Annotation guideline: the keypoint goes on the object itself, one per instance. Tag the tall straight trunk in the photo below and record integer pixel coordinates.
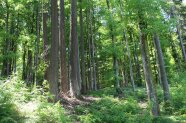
(92, 47)
(5, 67)
(53, 70)
(75, 89)
(90, 62)
(124, 67)
(45, 45)
(130, 62)
(29, 78)
(148, 74)
(24, 62)
(94, 67)
(161, 66)
(137, 62)
(181, 43)
(89, 51)
(82, 50)
(64, 78)
(37, 43)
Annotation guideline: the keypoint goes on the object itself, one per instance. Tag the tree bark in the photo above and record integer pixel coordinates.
(45, 45)
(75, 89)
(37, 44)
(83, 89)
(130, 62)
(161, 66)
(148, 74)
(64, 78)
(53, 69)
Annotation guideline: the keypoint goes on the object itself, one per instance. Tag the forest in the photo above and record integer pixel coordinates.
(93, 61)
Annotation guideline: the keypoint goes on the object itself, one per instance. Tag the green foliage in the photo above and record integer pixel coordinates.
(110, 110)
(51, 113)
(179, 94)
(8, 110)
(20, 104)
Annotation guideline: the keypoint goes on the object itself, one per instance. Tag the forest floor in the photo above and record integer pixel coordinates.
(102, 106)
(94, 107)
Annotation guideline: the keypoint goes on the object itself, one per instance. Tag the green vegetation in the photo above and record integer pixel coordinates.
(20, 104)
(93, 61)
(133, 107)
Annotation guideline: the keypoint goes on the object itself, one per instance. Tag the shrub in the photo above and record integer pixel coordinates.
(110, 110)
(8, 110)
(50, 113)
(178, 94)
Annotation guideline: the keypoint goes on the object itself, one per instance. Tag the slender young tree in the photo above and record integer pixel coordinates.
(161, 66)
(45, 45)
(115, 61)
(130, 62)
(37, 43)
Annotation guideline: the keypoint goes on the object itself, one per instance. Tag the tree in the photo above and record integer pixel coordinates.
(147, 68)
(64, 79)
(53, 68)
(74, 63)
(161, 66)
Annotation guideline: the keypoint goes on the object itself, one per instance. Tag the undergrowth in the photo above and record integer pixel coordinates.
(19, 104)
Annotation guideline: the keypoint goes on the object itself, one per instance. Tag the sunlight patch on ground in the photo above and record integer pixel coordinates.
(28, 110)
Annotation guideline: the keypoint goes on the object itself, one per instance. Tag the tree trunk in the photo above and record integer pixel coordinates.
(45, 45)
(82, 51)
(148, 74)
(53, 69)
(161, 66)
(37, 43)
(130, 62)
(64, 78)
(181, 43)
(136, 60)
(75, 89)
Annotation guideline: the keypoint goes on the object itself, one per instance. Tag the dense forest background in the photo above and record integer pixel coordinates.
(92, 61)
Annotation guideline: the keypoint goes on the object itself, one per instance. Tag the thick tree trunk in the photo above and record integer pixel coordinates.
(64, 78)
(161, 66)
(53, 69)
(148, 74)
(75, 89)
(83, 88)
